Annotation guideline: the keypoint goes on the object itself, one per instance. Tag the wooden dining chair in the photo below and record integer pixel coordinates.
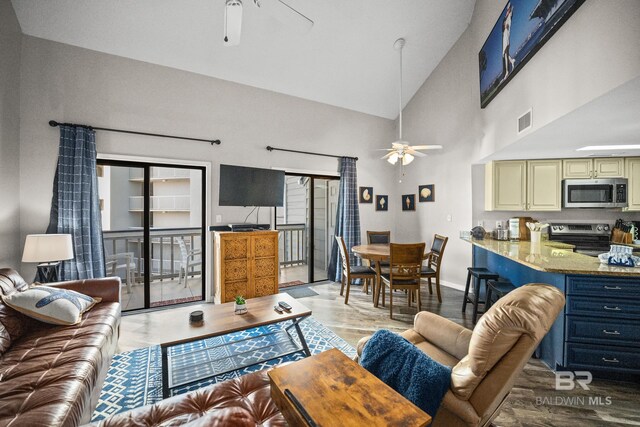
(374, 237)
(379, 237)
(404, 272)
(434, 261)
(351, 272)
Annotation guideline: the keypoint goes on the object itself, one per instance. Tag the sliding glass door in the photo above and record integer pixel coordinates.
(153, 221)
(306, 224)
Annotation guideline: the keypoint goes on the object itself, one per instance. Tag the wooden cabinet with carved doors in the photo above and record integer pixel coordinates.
(246, 263)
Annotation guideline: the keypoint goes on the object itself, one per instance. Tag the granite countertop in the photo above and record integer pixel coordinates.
(546, 256)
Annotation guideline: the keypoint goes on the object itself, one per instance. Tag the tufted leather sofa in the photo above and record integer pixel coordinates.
(52, 375)
(243, 401)
(485, 362)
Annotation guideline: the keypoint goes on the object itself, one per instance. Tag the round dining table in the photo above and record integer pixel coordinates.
(377, 253)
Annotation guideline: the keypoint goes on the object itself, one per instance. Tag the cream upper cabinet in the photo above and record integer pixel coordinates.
(632, 169)
(544, 179)
(577, 168)
(505, 185)
(593, 168)
(608, 167)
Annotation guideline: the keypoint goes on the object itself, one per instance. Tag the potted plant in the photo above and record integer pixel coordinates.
(240, 305)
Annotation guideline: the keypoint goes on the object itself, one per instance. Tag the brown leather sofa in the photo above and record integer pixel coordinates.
(52, 375)
(485, 362)
(243, 401)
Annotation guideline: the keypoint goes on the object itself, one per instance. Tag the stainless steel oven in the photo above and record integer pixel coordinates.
(594, 193)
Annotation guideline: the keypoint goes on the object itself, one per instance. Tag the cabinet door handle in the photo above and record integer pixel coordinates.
(606, 307)
(612, 288)
(610, 332)
(614, 360)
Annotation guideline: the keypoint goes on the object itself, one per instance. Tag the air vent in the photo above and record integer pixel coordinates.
(524, 122)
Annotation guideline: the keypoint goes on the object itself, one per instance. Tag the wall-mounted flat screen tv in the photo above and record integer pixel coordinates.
(243, 186)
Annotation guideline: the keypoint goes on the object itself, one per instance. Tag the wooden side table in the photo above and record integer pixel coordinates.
(330, 389)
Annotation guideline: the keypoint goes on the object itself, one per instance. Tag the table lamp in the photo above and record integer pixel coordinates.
(48, 250)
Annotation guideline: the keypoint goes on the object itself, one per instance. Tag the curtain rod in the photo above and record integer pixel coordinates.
(53, 123)
(270, 148)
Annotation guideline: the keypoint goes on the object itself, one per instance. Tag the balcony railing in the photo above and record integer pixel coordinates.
(166, 260)
(293, 244)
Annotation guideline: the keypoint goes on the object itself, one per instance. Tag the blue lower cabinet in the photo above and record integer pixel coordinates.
(603, 286)
(602, 357)
(596, 330)
(603, 307)
(602, 324)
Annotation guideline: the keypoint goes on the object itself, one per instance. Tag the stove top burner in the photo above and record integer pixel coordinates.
(589, 239)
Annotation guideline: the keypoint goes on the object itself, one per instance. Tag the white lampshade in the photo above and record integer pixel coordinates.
(47, 248)
(407, 158)
(393, 159)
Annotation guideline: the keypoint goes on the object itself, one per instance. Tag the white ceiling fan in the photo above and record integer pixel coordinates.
(277, 8)
(400, 149)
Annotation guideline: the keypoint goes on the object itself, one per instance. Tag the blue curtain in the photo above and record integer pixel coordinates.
(347, 218)
(75, 207)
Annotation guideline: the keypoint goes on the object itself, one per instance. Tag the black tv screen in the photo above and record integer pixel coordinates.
(242, 186)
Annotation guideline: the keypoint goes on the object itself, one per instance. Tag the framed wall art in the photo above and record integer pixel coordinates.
(382, 202)
(523, 27)
(409, 202)
(426, 193)
(365, 194)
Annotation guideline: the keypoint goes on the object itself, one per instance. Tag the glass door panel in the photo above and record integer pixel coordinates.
(325, 204)
(153, 222)
(307, 225)
(121, 193)
(293, 224)
(176, 220)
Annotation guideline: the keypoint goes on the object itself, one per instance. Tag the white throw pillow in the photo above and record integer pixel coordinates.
(51, 305)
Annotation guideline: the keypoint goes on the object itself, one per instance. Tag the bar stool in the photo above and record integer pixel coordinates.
(500, 287)
(479, 274)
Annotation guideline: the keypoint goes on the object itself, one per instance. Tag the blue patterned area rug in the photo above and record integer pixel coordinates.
(135, 377)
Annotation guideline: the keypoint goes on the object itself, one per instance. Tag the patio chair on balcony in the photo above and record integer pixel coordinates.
(187, 261)
(122, 261)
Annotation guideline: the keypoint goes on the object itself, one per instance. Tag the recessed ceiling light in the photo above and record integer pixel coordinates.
(610, 147)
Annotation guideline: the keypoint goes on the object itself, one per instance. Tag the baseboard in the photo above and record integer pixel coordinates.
(452, 285)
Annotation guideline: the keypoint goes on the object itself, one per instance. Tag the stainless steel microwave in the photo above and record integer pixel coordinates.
(594, 193)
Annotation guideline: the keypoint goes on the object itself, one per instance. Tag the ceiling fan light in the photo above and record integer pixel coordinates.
(406, 159)
(393, 159)
(232, 22)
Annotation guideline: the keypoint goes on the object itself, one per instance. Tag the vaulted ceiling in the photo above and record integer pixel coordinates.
(346, 60)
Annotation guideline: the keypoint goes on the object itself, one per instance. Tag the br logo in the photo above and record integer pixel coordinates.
(567, 380)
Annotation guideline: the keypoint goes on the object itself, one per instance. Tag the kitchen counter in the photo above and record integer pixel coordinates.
(600, 299)
(547, 257)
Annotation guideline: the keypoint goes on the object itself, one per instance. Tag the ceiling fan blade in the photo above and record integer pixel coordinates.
(415, 153)
(386, 156)
(426, 147)
(286, 14)
(398, 144)
(384, 149)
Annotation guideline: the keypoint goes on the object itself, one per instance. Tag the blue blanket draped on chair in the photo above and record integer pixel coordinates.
(406, 369)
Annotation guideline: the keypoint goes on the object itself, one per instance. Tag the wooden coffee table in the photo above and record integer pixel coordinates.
(183, 366)
(334, 390)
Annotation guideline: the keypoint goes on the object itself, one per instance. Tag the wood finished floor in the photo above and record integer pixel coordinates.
(360, 318)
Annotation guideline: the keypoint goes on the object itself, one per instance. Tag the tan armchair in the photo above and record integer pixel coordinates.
(485, 362)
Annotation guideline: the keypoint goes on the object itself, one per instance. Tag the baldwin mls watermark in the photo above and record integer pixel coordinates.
(568, 381)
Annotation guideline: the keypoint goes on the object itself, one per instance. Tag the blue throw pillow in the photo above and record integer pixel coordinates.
(407, 369)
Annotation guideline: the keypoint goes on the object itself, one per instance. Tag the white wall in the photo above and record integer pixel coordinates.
(595, 51)
(10, 41)
(72, 84)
